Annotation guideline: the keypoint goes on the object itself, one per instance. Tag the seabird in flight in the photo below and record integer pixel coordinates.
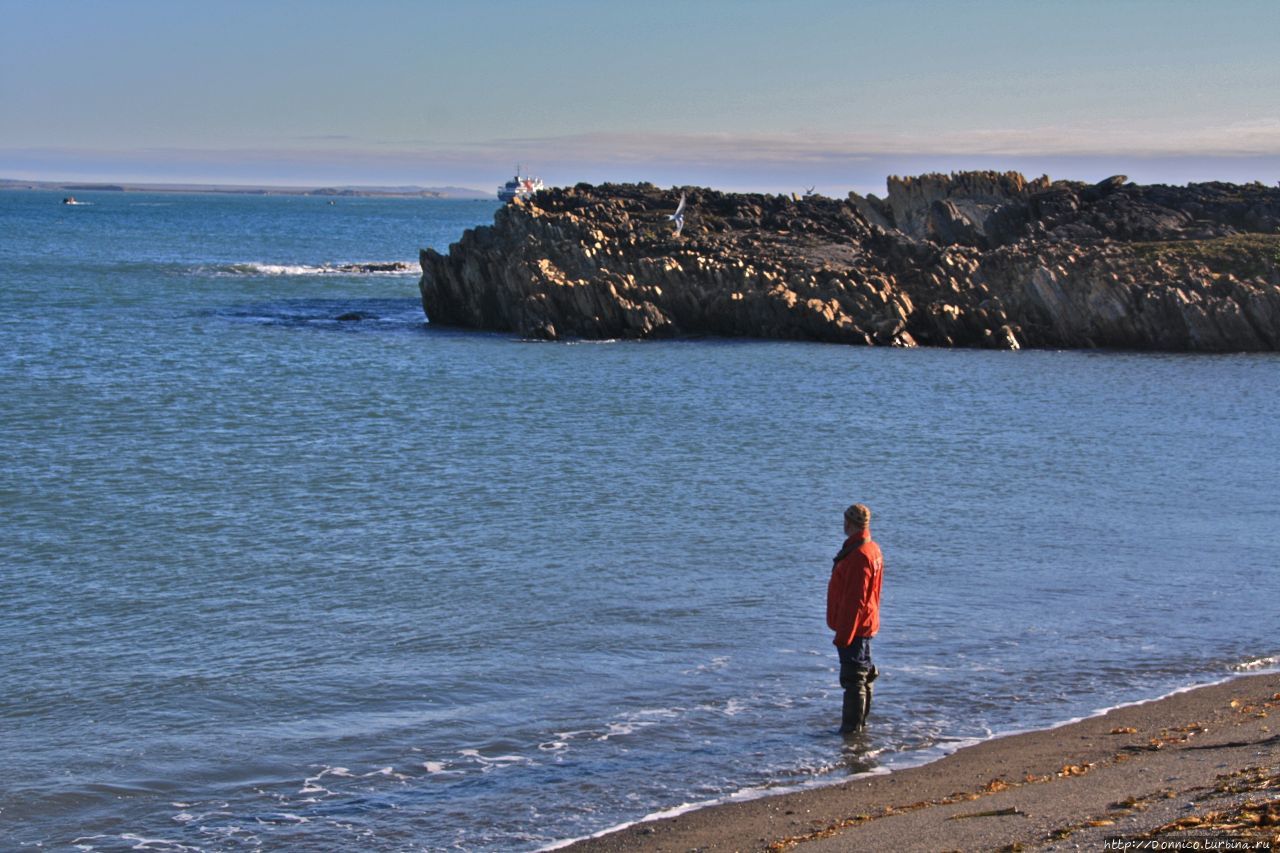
(678, 216)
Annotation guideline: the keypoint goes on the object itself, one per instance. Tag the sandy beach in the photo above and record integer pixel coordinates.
(1203, 763)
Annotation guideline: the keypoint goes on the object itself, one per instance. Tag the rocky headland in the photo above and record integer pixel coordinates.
(974, 259)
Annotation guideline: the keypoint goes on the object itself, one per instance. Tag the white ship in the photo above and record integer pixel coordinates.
(521, 186)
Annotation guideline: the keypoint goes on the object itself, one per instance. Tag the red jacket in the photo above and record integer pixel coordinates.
(853, 595)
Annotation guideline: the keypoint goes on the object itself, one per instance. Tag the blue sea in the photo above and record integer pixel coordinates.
(271, 579)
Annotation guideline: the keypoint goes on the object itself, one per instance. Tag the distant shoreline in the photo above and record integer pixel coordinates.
(250, 189)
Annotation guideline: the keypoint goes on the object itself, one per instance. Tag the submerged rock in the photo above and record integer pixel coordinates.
(374, 266)
(978, 259)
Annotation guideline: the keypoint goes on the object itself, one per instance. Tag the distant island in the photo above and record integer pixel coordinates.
(971, 259)
(245, 189)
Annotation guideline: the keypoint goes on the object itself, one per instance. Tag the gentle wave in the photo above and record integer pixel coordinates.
(911, 759)
(354, 268)
(1257, 664)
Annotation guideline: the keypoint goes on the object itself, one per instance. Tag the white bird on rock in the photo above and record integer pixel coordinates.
(678, 216)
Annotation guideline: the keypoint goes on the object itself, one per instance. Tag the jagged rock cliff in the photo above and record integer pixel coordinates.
(972, 259)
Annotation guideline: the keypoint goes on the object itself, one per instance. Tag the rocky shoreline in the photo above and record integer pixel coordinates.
(974, 259)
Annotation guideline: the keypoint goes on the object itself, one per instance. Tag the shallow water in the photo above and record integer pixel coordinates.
(269, 577)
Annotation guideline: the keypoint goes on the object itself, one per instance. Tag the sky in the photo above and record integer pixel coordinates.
(746, 95)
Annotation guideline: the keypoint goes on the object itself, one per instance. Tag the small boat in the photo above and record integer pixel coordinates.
(521, 186)
(72, 200)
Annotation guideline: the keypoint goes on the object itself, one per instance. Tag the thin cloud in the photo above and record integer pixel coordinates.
(773, 162)
(1249, 138)
(1245, 138)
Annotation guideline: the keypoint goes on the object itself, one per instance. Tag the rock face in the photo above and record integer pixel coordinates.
(977, 259)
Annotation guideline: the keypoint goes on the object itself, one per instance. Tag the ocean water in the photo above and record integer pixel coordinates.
(271, 579)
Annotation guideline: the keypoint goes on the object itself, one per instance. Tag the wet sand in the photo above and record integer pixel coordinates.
(1204, 762)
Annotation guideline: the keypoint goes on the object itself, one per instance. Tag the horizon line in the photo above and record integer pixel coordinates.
(110, 185)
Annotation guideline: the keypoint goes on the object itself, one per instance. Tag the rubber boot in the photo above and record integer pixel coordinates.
(854, 710)
(867, 691)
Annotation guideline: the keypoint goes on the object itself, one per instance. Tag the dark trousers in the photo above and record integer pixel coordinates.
(855, 662)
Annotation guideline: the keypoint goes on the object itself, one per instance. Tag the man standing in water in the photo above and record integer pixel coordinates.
(853, 612)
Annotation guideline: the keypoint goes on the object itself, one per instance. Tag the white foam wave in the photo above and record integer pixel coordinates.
(1257, 664)
(676, 811)
(311, 784)
(337, 771)
(135, 842)
(186, 816)
(385, 771)
(140, 843)
(257, 268)
(625, 728)
(658, 712)
(282, 817)
(754, 792)
(494, 761)
(577, 733)
(716, 663)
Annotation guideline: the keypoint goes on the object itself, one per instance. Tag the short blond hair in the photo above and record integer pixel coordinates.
(859, 515)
